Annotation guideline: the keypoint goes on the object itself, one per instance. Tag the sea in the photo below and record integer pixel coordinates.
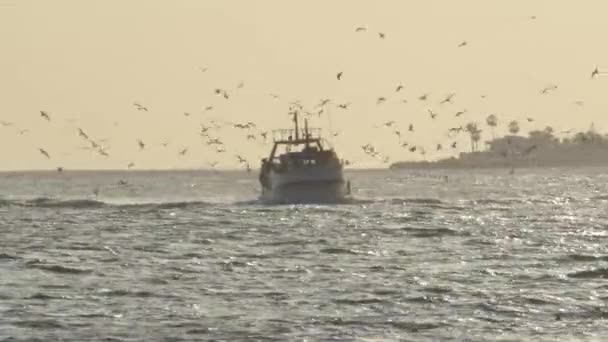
(458, 255)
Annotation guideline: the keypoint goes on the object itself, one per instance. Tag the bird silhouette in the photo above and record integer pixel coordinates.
(339, 75)
(454, 144)
(411, 128)
(380, 100)
(45, 115)
(44, 153)
(595, 72)
(183, 152)
(423, 97)
(462, 44)
(381, 35)
(140, 107)
(141, 144)
(399, 87)
(432, 113)
(448, 98)
(83, 134)
(360, 29)
(6, 124)
(460, 113)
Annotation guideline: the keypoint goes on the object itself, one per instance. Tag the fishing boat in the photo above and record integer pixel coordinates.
(300, 169)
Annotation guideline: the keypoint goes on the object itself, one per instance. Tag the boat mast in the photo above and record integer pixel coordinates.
(306, 135)
(295, 119)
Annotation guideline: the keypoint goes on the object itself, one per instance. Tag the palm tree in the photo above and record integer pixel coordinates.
(492, 121)
(513, 127)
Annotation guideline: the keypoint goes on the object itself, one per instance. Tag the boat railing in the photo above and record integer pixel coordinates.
(290, 134)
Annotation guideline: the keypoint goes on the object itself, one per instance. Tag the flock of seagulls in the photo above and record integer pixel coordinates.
(210, 130)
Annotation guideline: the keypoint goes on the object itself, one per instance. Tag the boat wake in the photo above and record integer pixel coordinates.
(57, 203)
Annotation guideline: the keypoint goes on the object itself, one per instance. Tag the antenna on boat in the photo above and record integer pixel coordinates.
(306, 135)
(295, 119)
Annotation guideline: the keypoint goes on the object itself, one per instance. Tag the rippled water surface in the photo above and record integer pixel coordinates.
(180, 256)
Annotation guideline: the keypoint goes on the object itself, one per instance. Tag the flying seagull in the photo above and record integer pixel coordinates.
(399, 87)
(464, 43)
(381, 35)
(44, 153)
(82, 134)
(339, 75)
(595, 72)
(360, 29)
(45, 115)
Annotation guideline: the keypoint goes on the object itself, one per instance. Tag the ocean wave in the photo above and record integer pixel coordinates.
(58, 268)
(431, 232)
(594, 273)
(58, 203)
(586, 257)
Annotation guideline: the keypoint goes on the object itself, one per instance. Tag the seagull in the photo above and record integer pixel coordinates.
(141, 144)
(23, 131)
(360, 29)
(323, 102)
(454, 144)
(83, 134)
(45, 115)
(381, 35)
(344, 105)
(250, 137)
(214, 141)
(339, 75)
(380, 100)
(213, 164)
(186, 114)
(595, 72)
(411, 128)
(530, 119)
(399, 87)
(131, 165)
(423, 97)
(431, 113)
(4, 123)
(140, 107)
(240, 85)
(44, 153)
(548, 88)
(448, 98)
(274, 96)
(439, 147)
(389, 123)
(241, 159)
(464, 43)
(460, 113)
(202, 69)
(264, 135)
(208, 108)
(183, 152)
(413, 149)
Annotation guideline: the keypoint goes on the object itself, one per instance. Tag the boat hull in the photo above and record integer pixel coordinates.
(307, 192)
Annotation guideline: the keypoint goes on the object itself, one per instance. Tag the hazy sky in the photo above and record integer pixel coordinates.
(86, 62)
